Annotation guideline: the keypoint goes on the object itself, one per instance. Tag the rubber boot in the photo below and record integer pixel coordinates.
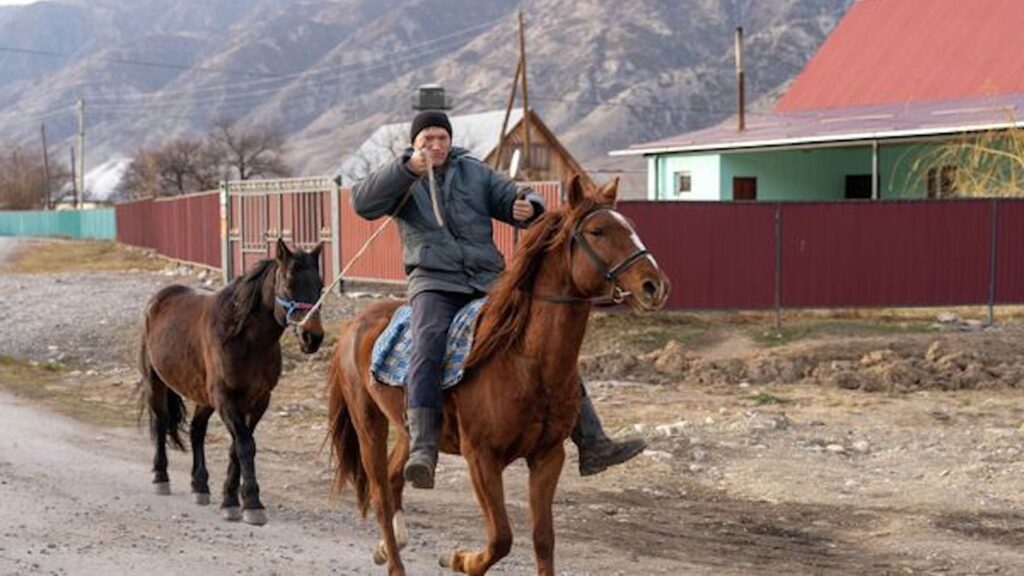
(424, 426)
(597, 451)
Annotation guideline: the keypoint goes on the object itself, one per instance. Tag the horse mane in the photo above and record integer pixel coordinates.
(241, 299)
(504, 316)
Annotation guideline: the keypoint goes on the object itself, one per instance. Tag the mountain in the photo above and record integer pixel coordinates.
(602, 74)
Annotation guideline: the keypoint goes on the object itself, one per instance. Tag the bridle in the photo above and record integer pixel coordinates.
(290, 308)
(617, 295)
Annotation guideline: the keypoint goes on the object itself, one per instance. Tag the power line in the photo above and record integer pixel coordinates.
(133, 62)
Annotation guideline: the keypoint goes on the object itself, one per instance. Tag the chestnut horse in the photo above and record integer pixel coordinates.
(520, 394)
(223, 352)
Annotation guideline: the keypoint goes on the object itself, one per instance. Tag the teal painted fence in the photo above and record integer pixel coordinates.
(100, 224)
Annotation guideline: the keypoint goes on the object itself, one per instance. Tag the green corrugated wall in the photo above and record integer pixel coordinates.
(100, 224)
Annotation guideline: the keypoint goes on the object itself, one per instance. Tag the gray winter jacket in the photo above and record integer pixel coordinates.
(461, 256)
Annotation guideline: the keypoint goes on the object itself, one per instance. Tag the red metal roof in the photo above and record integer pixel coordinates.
(909, 51)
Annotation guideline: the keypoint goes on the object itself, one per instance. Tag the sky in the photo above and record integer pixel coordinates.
(13, 2)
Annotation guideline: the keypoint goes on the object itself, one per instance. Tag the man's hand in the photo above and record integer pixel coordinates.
(522, 209)
(417, 164)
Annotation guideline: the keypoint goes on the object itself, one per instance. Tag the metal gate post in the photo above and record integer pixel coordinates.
(778, 267)
(992, 264)
(225, 233)
(336, 232)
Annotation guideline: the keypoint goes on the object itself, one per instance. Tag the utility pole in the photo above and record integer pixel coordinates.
(741, 105)
(508, 112)
(46, 170)
(74, 178)
(526, 98)
(80, 189)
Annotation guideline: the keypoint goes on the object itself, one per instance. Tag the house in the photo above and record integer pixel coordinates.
(478, 133)
(905, 99)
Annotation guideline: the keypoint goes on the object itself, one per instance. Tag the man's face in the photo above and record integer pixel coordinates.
(436, 142)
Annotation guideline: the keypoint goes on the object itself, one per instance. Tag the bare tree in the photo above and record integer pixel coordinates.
(180, 166)
(23, 183)
(250, 151)
(187, 165)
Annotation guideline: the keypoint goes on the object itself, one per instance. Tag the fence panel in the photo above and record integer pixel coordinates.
(885, 254)
(97, 223)
(717, 255)
(185, 228)
(1010, 252)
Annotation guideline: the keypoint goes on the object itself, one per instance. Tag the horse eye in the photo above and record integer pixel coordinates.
(596, 231)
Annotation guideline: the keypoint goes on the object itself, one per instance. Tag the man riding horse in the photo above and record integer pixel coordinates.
(450, 259)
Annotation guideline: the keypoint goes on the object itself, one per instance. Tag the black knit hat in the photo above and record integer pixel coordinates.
(427, 119)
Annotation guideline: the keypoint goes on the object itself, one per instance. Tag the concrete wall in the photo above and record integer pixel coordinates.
(704, 169)
(797, 174)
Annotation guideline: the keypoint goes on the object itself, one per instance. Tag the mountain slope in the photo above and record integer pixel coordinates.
(603, 74)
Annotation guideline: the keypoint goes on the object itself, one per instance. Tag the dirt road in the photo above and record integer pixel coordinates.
(73, 501)
(842, 446)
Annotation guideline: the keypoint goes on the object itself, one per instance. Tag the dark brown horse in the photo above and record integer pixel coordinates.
(520, 395)
(222, 352)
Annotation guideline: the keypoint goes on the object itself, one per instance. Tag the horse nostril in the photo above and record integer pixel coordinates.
(650, 289)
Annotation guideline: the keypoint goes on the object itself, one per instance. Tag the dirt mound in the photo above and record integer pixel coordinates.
(954, 361)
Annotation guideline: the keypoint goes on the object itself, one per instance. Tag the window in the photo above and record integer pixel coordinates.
(942, 182)
(683, 183)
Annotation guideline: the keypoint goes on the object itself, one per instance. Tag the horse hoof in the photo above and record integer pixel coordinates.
(162, 488)
(232, 513)
(255, 517)
(448, 561)
(201, 498)
(380, 554)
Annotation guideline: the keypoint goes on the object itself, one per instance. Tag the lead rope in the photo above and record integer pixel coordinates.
(369, 241)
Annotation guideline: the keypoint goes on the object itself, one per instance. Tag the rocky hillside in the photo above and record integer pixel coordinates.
(603, 74)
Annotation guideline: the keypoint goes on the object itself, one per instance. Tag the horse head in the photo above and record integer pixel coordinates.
(606, 255)
(297, 287)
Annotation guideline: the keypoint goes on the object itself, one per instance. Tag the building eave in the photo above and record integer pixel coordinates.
(818, 141)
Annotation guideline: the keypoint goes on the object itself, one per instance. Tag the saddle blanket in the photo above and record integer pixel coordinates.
(393, 348)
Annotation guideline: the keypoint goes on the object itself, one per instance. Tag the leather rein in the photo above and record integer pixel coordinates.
(617, 295)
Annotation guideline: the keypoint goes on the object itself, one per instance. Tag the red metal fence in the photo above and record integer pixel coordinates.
(185, 228)
(718, 255)
(849, 254)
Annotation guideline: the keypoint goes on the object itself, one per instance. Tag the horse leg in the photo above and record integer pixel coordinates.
(158, 426)
(231, 506)
(372, 428)
(486, 473)
(544, 472)
(396, 481)
(197, 433)
(243, 447)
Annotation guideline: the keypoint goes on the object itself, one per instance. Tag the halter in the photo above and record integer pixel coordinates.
(618, 295)
(290, 308)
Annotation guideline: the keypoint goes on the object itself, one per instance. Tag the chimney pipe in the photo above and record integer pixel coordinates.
(740, 95)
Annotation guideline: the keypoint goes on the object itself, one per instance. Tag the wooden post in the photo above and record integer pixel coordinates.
(508, 112)
(740, 96)
(526, 99)
(46, 170)
(80, 190)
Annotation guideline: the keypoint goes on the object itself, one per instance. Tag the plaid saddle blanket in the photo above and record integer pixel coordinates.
(391, 352)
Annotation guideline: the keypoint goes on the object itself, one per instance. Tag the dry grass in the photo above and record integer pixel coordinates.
(57, 387)
(51, 255)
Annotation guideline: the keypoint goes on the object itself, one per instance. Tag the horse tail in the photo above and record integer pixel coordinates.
(163, 405)
(342, 434)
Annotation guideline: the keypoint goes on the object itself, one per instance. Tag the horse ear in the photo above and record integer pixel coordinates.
(283, 253)
(575, 192)
(609, 193)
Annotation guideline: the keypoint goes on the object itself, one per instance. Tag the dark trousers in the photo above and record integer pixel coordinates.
(432, 315)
